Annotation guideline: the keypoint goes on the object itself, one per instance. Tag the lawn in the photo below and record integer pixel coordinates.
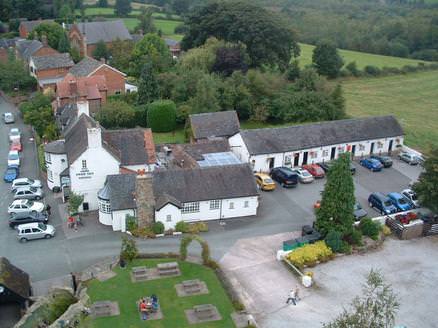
(411, 98)
(121, 289)
(166, 26)
(96, 11)
(362, 59)
(176, 136)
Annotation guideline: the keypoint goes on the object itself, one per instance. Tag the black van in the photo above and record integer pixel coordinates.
(284, 176)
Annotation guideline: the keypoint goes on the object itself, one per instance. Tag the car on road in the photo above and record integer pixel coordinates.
(25, 205)
(372, 164)
(412, 196)
(381, 203)
(303, 175)
(29, 193)
(326, 167)
(264, 181)
(11, 173)
(36, 230)
(359, 212)
(400, 201)
(16, 145)
(25, 182)
(13, 158)
(385, 160)
(284, 176)
(21, 218)
(8, 118)
(409, 158)
(14, 134)
(315, 170)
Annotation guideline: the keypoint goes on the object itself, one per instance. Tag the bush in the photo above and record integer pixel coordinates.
(158, 228)
(238, 306)
(354, 237)
(161, 116)
(141, 114)
(129, 249)
(131, 223)
(372, 70)
(310, 254)
(197, 227)
(116, 114)
(212, 264)
(369, 228)
(386, 230)
(182, 226)
(334, 240)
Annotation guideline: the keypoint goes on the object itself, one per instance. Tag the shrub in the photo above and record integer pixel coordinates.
(369, 228)
(334, 240)
(197, 227)
(212, 264)
(386, 230)
(161, 116)
(372, 70)
(131, 223)
(116, 114)
(345, 248)
(310, 254)
(129, 249)
(238, 306)
(354, 237)
(158, 228)
(182, 226)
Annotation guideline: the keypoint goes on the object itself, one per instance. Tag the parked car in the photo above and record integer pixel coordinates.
(315, 170)
(11, 173)
(8, 117)
(310, 234)
(385, 160)
(25, 205)
(372, 164)
(14, 134)
(412, 196)
(36, 230)
(21, 218)
(303, 175)
(400, 201)
(359, 212)
(326, 167)
(13, 158)
(16, 145)
(24, 182)
(284, 176)
(264, 181)
(409, 158)
(381, 203)
(29, 193)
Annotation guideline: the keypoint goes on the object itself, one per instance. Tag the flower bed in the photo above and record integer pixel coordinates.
(310, 255)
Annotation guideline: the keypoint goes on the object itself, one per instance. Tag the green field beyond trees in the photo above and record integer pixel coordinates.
(411, 98)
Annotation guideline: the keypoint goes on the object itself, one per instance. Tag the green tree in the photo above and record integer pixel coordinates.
(101, 51)
(53, 31)
(375, 307)
(120, 58)
(66, 14)
(102, 3)
(151, 48)
(309, 80)
(206, 98)
(14, 74)
(122, 8)
(75, 54)
(327, 60)
(148, 89)
(427, 185)
(64, 44)
(293, 71)
(116, 114)
(129, 250)
(338, 101)
(74, 201)
(337, 204)
(146, 21)
(162, 116)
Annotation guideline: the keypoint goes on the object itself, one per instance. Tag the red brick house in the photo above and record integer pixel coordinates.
(85, 36)
(28, 26)
(87, 67)
(174, 47)
(50, 69)
(24, 49)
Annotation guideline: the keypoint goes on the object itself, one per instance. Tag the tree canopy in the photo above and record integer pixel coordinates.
(427, 185)
(53, 31)
(101, 51)
(327, 60)
(116, 114)
(122, 7)
(151, 48)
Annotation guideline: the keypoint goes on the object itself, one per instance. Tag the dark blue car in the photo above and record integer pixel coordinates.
(12, 173)
(371, 164)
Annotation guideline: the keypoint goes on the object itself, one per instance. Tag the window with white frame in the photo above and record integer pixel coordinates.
(84, 164)
(48, 158)
(168, 218)
(104, 206)
(361, 147)
(379, 145)
(325, 153)
(231, 206)
(287, 160)
(313, 154)
(50, 175)
(246, 204)
(191, 207)
(215, 204)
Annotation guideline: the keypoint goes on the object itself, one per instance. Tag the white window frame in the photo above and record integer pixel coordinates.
(215, 204)
(246, 204)
(105, 207)
(168, 218)
(325, 153)
(361, 147)
(48, 158)
(231, 206)
(84, 164)
(49, 175)
(190, 207)
(313, 154)
(287, 159)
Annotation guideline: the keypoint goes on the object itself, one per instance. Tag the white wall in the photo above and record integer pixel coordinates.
(119, 219)
(173, 211)
(55, 163)
(32, 68)
(238, 147)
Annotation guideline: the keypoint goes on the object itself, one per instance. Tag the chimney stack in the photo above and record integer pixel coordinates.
(103, 60)
(73, 87)
(44, 40)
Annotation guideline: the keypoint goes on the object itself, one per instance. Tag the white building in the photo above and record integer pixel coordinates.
(304, 144)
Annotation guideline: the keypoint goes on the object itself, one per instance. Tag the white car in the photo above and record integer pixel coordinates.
(14, 134)
(303, 175)
(411, 196)
(25, 205)
(13, 158)
(8, 118)
(24, 182)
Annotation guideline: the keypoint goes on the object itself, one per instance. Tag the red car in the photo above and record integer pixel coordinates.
(315, 170)
(16, 145)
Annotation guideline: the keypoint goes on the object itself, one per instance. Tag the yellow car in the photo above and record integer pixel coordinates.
(264, 181)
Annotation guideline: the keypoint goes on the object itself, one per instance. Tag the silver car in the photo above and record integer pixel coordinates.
(14, 134)
(303, 175)
(25, 205)
(36, 230)
(25, 182)
(29, 193)
(409, 158)
(8, 118)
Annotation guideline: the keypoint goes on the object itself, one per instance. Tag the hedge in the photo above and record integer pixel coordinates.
(161, 116)
(310, 254)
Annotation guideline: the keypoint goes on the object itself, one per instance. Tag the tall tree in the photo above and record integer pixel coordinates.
(119, 51)
(63, 44)
(327, 60)
(102, 3)
(427, 185)
(337, 204)
(338, 101)
(101, 51)
(206, 97)
(151, 48)
(148, 89)
(53, 31)
(122, 8)
(146, 21)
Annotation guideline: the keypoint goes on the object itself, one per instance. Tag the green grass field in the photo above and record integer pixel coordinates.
(126, 293)
(176, 136)
(166, 26)
(362, 59)
(411, 98)
(96, 11)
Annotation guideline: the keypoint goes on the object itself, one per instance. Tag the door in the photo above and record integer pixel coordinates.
(390, 146)
(333, 153)
(296, 159)
(271, 163)
(305, 155)
(353, 150)
(372, 148)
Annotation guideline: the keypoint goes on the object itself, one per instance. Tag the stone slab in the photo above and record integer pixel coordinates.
(153, 316)
(103, 276)
(193, 319)
(183, 292)
(112, 307)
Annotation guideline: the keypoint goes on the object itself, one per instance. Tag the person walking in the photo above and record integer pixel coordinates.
(48, 209)
(291, 297)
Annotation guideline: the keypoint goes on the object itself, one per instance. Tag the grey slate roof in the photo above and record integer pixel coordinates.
(53, 61)
(196, 150)
(121, 190)
(164, 199)
(7, 43)
(106, 31)
(218, 124)
(85, 67)
(65, 115)
(55, 147)
(171, 42)
(26, 48)
(278, 140)
(191, 185)
(14, 278)
(30, 25)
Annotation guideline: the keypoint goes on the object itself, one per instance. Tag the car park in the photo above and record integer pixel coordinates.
(14, 134)
(22, 218)
(25, 205)
(372, 164)
(13, 158)
(8, 118)
(303, 175)
(11, 173)
(409, 158)
(411, 196)
(25, 182)
(315, 170)
(28, 193)
(386, 161)
(381, 203)
(264, 181)
(36, 230)
(16, 145)
(400, 201)
(284, 176)
(359, 212)
(326, 167)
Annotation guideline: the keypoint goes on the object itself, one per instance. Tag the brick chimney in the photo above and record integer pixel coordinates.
(44, 40)
(73, 86)
(145, 200)
(149, 146)
(103, 60)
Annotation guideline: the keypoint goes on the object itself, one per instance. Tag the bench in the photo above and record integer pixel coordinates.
(204, 311)
(102, 308)
(191, 286)
(170, 268)
(140, 273)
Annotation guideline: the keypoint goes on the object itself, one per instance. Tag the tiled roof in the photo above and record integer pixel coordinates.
(7, 43)
(76, 138)
(55, 147)
(26, 48)
(121, 191)
(66, 115)
(218, 124)
(171, 42)
(14, 279)
(106, 31)
(298, 137)
(53, 61)
(30, 25)
(85, 67)
(87, 87)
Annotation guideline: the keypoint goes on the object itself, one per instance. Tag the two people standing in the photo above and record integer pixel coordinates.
(293, 296)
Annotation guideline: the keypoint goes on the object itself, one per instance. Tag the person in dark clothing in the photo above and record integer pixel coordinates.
(48, 209)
